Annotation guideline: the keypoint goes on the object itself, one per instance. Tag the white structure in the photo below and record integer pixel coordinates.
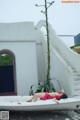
(22, 40)
(28, 44)
(18, 103)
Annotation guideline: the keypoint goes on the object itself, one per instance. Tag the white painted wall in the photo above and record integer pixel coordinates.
(29, 46)
(26, 64)
(40, 62)
(20, 31)
(64, 73)
(58, 44)
(23, 40)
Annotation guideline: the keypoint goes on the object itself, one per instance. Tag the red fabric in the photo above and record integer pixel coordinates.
(57, 97)
(48, 96)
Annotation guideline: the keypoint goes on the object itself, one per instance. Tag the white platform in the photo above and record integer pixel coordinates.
(18, 103)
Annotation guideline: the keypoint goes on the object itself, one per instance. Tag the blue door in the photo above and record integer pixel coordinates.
(6, 79)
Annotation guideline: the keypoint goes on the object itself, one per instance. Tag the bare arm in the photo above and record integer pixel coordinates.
(57, 101)
(62, 91)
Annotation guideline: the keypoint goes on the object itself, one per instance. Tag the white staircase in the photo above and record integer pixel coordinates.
(65, 63)
(76, 75)
(72, 61)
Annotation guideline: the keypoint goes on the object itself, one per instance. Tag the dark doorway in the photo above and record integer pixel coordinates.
(6, 79)
(7, 73)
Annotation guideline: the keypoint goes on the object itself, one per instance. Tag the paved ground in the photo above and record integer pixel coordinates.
(51, 115)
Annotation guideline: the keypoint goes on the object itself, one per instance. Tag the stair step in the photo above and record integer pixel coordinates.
(68, 63)
(76, 76)
(77, 88)
(76, 93)
(77, 82)
(76, 79)
(75, 73)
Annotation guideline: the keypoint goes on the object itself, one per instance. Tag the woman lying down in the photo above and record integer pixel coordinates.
(56, 96)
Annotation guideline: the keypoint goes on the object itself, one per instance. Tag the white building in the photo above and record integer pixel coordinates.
(27, 44)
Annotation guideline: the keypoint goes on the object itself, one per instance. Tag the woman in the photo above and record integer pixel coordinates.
(44, 96)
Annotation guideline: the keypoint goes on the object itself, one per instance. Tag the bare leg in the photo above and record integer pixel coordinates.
(36, 95)
(33, 98)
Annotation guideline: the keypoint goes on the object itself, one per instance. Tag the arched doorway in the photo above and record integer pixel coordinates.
(7, 73)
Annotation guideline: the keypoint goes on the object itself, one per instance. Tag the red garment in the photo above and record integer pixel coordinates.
(48, 96)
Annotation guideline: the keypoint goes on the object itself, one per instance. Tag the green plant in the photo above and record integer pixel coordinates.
(6, 59)
(41, 87)
(76, 48)
(46, 85)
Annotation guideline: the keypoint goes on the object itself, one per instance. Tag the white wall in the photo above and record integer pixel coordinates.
(26, 64)
(20, 31)
(70, 55)
(40, 62)
(67, 68)
(62, 73)
(22, 39)
(60, 69)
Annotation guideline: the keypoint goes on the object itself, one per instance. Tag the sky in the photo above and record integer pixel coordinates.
(64, 17)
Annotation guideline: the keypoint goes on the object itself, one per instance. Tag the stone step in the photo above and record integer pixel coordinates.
(77, 93)
(76, 82)
(74, 115)
(77, 75)
(77, 87)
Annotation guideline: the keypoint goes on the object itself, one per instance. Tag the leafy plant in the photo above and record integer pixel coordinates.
(76, 48)
(41, 87)
(6, 59)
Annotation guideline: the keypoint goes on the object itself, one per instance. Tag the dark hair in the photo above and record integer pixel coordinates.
(64, 96)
